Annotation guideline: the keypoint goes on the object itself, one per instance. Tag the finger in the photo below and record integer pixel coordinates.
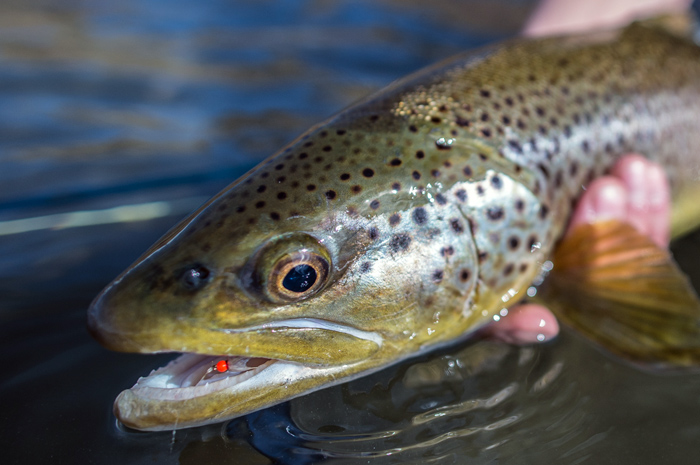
(525, 324)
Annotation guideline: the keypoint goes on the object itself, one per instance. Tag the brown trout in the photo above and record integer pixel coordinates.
(412, 218)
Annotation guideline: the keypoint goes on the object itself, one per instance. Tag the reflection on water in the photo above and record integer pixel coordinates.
(117, 118)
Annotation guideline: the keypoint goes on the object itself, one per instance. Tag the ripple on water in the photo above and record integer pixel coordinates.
(484, 400)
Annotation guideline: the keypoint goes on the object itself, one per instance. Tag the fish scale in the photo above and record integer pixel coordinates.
(434, 204)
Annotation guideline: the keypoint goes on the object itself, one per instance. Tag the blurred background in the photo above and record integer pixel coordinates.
(118, 118)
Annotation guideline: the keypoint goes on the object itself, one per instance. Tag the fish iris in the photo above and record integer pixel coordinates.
(300, 278)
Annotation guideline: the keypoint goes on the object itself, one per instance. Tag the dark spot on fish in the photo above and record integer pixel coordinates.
(485, 93)
(420, 216)
(464, 274)
(330, 195)
(544, 170)
(395, 162)
(374, 204)
(456, 226)
(344, 176)
(496, 182)
(394, 219)
(573, 169)
(523, 267)
(483, 157)
(400, 242)
(494, 213)
(356, 189)
(365, 267)
(275, 216)
(509, 101)
(483, 256)
(508, 270)
(279, 167)
(435, 173)
(264, 175)
(412, 128)
(461, 194)
(484, 117)
(558, 179)
(544, 211)
(318, 159)
(447, 251)
(282, 195)
(341, 132)
(311, 187)
(436, 120)
(240, 209)
(260, 204)
(585, 146)
(467, 171)
(521, 124)
(540, 111)
(416, 175)
(486, 132)
(374, 118)
(368, 172)
(480, 189)
(513, 242)
(303, 155)
(281, 179)
(261, 189)
(438, 275)
(519, 205)
(506, 120)
(373, 233)
(440, 199)
(396, 186)
(462, 122)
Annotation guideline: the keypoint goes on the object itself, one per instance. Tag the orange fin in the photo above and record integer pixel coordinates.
(620, 289)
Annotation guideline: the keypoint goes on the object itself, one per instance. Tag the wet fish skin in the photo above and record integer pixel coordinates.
(434, 202)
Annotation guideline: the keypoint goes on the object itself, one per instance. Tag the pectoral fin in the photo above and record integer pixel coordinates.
(618, 288)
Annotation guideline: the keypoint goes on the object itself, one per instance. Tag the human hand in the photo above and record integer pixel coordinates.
(637, 192)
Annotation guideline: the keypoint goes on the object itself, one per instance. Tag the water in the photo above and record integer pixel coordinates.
(118, 118)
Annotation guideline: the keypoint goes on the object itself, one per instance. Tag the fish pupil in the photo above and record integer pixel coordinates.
(195, 277)
(300, 278)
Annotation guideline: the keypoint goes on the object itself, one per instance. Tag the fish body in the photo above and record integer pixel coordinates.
(402, 224)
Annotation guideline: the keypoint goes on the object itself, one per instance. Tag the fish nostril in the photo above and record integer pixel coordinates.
(195, 277)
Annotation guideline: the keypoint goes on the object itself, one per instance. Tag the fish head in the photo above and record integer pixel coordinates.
(298, 281)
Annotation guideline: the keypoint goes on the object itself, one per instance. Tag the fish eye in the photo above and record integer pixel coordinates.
(194, 277)
(300, 278)
(297, 275)
(288, 268)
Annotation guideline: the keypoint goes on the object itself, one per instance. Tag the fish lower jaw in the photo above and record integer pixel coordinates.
(195, 375)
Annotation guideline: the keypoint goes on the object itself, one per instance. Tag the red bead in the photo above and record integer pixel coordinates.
(222, 366)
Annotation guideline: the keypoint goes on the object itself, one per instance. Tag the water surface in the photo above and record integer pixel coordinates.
(116, 119)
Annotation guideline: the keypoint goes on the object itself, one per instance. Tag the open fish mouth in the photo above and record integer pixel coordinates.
(194, 375)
